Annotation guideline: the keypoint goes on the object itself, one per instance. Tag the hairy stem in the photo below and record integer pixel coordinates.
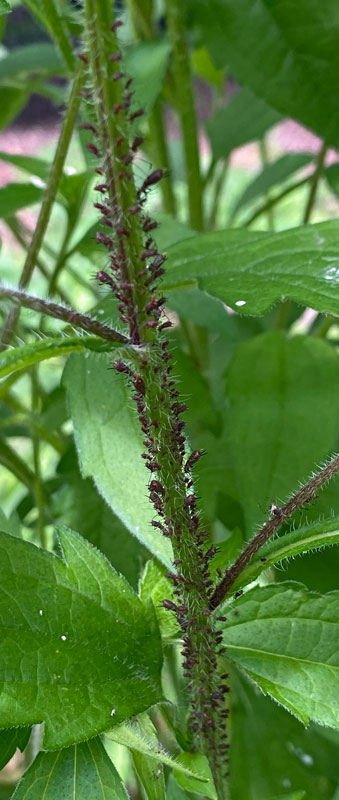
(49, 197)
(315, 182)
(186, 109)
(69, 315)
(134, 271)
(307, 493)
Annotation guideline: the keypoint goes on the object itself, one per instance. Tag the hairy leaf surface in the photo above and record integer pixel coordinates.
(109, 444)
(79, 650)
(286, 639)
(277, 438)
(74, 773)
(250, 271)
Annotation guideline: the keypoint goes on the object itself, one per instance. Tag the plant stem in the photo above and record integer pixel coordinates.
(141, 16)
(160, 156)
(274, 200)
(315, 178)
(136, 288)
(68, 315)
(39, 495)
(186, 109)
(307, 493)
(265, 160)
(218, 186)
(49, 197)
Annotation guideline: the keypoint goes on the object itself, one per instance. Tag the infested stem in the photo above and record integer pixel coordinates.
(63, 313)
(280, 515)
(135, 267)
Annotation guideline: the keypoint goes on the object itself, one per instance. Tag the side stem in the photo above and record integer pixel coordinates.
(314, 183)
(68, 315)
(280, 515)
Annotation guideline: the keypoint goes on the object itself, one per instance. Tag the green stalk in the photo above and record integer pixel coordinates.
(273, 201)
(314, 183)
(217, 193)
(265, 160)
(49, 197)
(186, 109)
(38, 483)
(160, 156)
(141, 16)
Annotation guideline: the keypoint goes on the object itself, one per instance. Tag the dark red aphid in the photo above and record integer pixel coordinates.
(193, 458)
(102, 239)
(139, 113)
(151, 179)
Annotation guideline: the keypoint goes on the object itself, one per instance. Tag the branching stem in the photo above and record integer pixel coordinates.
(280, 515)
(69, 315)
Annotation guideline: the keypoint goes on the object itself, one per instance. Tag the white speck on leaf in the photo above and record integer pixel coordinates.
(64, 638)
(113, 712)
(41, 612)
(241, 302)
(306, 759)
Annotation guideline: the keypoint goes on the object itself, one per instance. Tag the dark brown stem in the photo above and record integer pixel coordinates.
(62, 312)
(280, 515)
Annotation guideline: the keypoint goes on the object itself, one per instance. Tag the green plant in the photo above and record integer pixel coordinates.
(165, 473)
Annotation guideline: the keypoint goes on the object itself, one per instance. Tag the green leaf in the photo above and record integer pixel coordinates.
(4, 7)
(331, 174)
(196, 762)
(251, 271)
(15, 196)
(56, 27)
(109, 444)
(31, 59)
(203, 65)
(173, 790)
(272, 175)
(132, 736)
(146, 63)
(297, 542)
(155, 586)
(272, 752)
(286, 639)
(10, 740)
(31, 164)
(150, 772)
(276, 438)
(244, 119)
(74, 773)
(283, 416)
(12, 101)
(79, 505)
(285, 52)
(88, 654)
(23, 357)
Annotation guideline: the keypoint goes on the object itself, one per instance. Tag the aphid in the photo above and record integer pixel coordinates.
(276, 511)
(193, 458)
(169, 605)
